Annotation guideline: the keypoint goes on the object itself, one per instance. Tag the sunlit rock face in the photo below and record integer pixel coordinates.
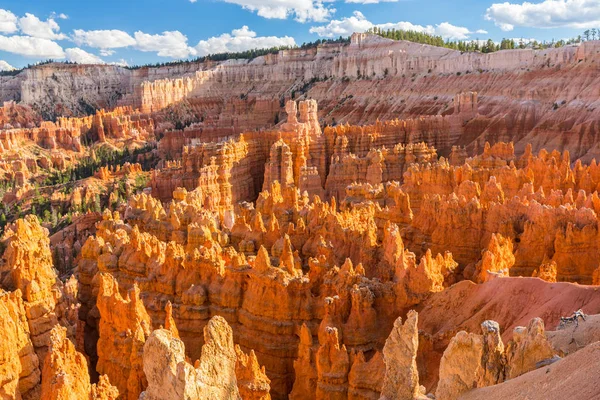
(377, 220)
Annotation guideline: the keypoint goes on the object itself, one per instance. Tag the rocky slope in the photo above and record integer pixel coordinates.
(543, 97)
(266, 252)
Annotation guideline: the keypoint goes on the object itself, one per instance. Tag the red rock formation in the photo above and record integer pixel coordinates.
(18, 361)
(333, 365)
(13, 115)
(460, 366)
(546, 271)
(303, 243)
(513, 301)
(252, 380)
(65, 374)
(365, 379)
(496, 261)
(124, 327)
(28, 268)
(400, 356)
(476, 360)
(219, 372)
(528, 347)
(550, 382)
(198, 270)
(305, 383)
(33, 314)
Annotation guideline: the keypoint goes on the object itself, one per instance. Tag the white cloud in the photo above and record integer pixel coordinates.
(32, 26)
(4, 66)
(8, 21)
(120, 63)
(577, 14)
(174, 44)
(344, 27)
(371, 1)
(241, 40)
(106, 52)
(449, 31)
(103, 39)
(481, 31)
(54, 15)
(301, 10)
(359, 23)
(31, 47)
(407, 26)
(168, 44)
(82, 57)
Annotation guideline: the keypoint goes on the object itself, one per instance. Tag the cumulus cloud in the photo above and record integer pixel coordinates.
(168, 44)
(103, 39)
(120, 63)
(32, 26)
(81, 56)
(31, 47)
(300, 10)
(174, 44)
(344, 27)
(359, 23)
(241, 40)
(577, 14)
(4, 66)
(8, 21)
(449, 31)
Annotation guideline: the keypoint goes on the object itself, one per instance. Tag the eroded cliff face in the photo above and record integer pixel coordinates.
(526, 102)
(346, 267)
(222, 372)
(38, 318)
(72, 90)
(522, 210)
(336, 269)
(123, 329)
(28, 270)
(271, 256)
(20, 364)
(65, 374)
(203, 272)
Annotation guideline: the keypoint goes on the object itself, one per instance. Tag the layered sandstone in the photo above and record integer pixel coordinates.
(18, 361)
(383, 79)
(123, 329)
(65, 374)
(400, 356)
(549, 382)
(471, 361)
(268, 255)
(305, 243)
(28, 269)
(171, 377)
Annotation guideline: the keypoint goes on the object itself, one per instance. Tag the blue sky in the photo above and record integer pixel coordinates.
(148, 31)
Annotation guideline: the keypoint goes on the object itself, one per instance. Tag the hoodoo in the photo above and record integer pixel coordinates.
(398, 215)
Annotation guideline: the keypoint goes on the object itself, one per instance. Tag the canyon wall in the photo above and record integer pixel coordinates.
(527, 96)
(281, 247)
